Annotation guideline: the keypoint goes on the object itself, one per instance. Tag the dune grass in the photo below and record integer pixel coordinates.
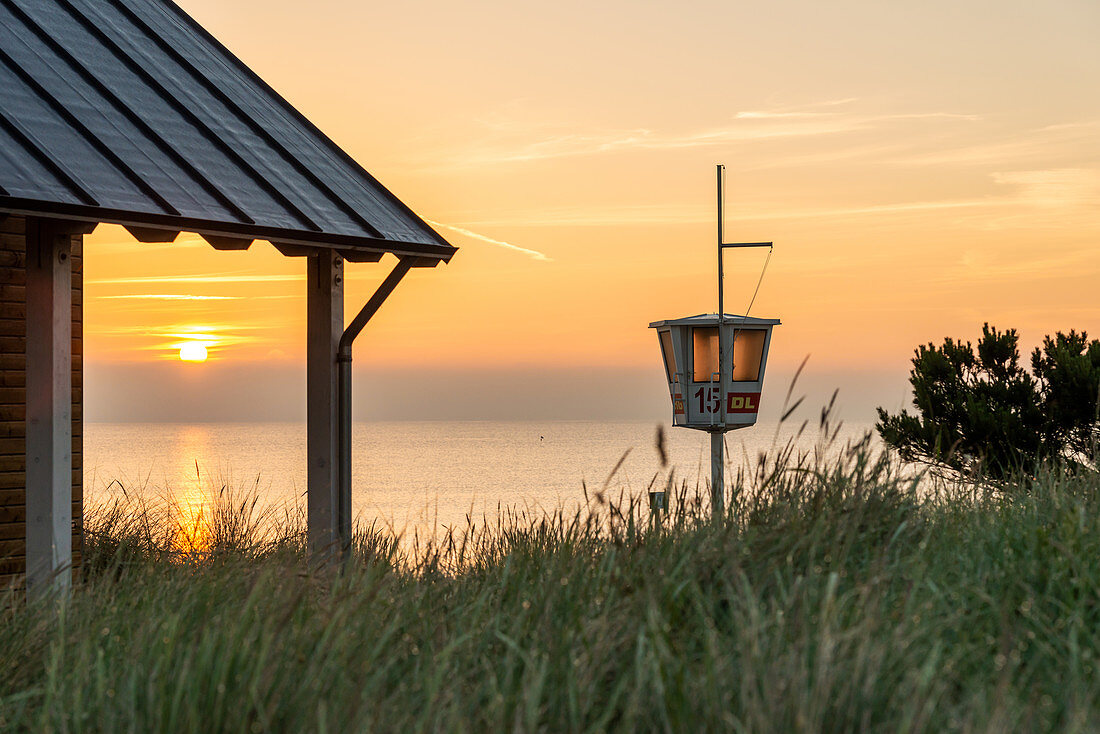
(837, 594)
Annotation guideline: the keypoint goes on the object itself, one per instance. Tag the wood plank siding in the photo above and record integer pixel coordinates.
(13, 380)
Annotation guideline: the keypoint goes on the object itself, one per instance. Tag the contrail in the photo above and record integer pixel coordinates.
(532, 253)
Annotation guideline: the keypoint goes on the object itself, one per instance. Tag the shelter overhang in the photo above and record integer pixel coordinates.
(128, 112)
(160, 228)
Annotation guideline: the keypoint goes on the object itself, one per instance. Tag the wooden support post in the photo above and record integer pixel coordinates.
(324, 327)
(49, 408)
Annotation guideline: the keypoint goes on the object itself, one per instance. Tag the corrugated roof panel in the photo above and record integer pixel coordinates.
(170, 118)
(120, 130)
(24, 174)
(218, 115)
(286, 125)
(44, 131)
(140, 117)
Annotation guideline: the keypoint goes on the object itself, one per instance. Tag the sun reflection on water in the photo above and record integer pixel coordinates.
(193, 498)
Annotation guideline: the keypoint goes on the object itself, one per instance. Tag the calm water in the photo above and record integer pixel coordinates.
(409, 474)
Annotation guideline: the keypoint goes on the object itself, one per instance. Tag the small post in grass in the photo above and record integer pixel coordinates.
(657, 503)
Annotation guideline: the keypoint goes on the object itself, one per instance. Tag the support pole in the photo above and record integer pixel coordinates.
(717, 479)
(324, 326)
(343, 359)
(49, 440)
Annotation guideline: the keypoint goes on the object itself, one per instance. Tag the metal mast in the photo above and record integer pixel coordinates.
(717, 436)
(717, 460)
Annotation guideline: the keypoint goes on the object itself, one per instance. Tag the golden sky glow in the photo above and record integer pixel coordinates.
(922, 168)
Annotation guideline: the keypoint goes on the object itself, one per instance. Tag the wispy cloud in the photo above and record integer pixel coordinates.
(1060, 188)
(654, 215)
(534, 142)
(1030, 266)
(199, 279)
(535, 254)
(167, 297)
(1062, 142)
(168, 339)
(777, 115)
(596, 217)
(1020, 193)
(181, 297)
(182, 330)
(575, 144)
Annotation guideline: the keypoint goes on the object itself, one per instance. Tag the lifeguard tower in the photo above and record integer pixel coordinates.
(715, 365)
(698, 385)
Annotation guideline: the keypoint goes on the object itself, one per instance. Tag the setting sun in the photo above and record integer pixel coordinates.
(193, 352)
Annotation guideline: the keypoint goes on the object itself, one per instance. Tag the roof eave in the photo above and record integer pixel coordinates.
(442, 251)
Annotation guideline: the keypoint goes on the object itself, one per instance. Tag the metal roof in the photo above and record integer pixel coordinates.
(127, 111)
(711, 319)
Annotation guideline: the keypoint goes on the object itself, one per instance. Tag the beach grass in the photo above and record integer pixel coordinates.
(838, 593)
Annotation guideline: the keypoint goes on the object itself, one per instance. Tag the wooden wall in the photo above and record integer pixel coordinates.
(13, 347)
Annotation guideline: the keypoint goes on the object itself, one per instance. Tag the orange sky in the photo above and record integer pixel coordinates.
(922, 168)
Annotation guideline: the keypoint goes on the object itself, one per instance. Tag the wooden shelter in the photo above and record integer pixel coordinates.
(128, 112)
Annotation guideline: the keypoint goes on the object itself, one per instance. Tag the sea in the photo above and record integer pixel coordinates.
(418, 476)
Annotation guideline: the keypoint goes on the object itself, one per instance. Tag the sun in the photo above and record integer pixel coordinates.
(193, 352)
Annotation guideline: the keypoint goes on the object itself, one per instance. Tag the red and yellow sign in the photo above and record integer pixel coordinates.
(743, 402)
